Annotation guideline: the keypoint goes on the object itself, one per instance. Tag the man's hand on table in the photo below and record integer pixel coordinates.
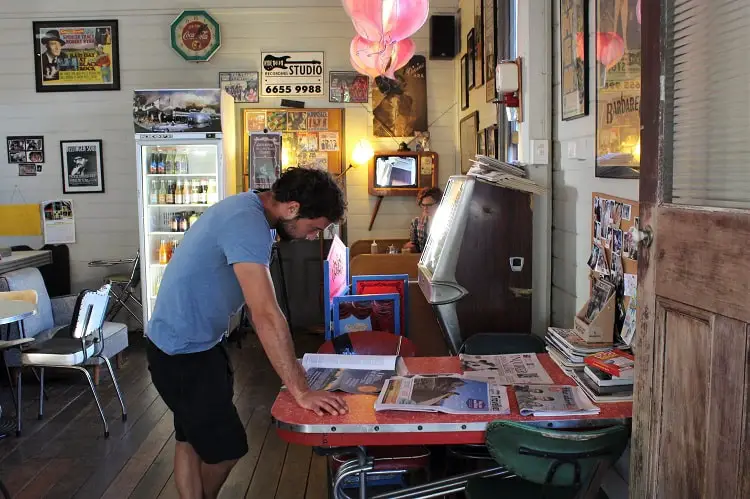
(322, 402)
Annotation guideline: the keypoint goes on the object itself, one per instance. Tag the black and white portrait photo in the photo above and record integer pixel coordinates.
(82, 167)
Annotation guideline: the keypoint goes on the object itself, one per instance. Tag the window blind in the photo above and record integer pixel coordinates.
(707, 91)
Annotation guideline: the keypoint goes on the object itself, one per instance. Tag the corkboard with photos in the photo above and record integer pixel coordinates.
(614, 253)
(310, 137)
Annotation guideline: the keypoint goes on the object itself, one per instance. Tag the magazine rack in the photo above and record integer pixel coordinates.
(601, 328)
(337, 290)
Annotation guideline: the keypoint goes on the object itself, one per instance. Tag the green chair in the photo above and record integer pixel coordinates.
(550, 464)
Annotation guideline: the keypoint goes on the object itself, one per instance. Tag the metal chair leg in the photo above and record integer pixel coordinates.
(41, 393)
(18, 407)
(117, 386)
(11, 383)
(96, 397)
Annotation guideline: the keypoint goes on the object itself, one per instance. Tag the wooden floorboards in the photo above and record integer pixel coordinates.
(65, 455)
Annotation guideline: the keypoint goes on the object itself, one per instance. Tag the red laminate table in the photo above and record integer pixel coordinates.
(362, 426)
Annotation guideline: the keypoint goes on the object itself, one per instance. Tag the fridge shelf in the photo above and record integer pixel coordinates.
(164, 233)
(180, 205)
(157, 175)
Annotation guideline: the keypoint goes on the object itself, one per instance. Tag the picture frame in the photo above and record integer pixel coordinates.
(489, 22)
(482, 142)
(479, 40)
(618, 89)
(82, 166)
(25, 149)
(491, 137)
(91, 61)
(241, 85)
(574, 59)
(468, 128)
(472, 60)
(464, 82)
(348, 87)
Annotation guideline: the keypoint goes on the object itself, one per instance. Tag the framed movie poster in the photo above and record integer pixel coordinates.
(479, 40)
(82, 166)
(574, 59)
(399, 107)
(471, 52)
(468, 129)
(618, 89)
(264, 159)
(464, 82)
(74, 56)
(242, 86)
(489, 15)
(348, 87)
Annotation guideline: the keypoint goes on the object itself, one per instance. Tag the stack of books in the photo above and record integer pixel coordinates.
(607, 376)
(569, 350)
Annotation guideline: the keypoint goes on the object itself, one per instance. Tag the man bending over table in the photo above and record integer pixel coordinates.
(222, 260)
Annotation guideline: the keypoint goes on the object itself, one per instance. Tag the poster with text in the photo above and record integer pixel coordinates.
(618, 83)
(264, 160)
(348, 86)
(76, 56)
(177, 111)
(242, 86)
(82, 168)
(400, 105)
(292, 73)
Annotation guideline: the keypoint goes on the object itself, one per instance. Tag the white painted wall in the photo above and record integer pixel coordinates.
(573, 181)
(107, 225)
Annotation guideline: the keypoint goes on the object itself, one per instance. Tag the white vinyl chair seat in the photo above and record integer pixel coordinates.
(58, 352)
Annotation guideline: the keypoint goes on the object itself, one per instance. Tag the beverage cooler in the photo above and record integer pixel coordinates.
(178, 180)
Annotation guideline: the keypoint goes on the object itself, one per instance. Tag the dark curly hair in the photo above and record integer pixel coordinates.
(316, 191)
(429, 192)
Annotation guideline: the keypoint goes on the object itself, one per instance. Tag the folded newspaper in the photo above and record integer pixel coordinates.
(553, 400)
(452, 394)
(363, 374)
(511, 369)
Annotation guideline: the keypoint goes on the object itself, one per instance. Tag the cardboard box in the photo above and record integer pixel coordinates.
(602, 327)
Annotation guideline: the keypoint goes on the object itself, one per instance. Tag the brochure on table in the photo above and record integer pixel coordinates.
(357, 374)
(452, 394)
(512, 369)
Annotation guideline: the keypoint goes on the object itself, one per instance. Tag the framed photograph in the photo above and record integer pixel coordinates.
(479, 40)
(471, 51)
(482, 142)
(489, 14)
(27, 170)
(82, 166)
(348, 87)
(464, 82)
(242, 86)
(25, 149)
(491, 141)
(574, 59)
(618, 89)
(468, 129)
(76, 56)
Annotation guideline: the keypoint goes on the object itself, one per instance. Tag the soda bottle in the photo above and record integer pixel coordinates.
(178, 193)
(153, 165)
(184, 222)
(169, 163)
(170, 249)
(204, 191)
(153, 193)
(161, 164)
(195, 197)
(162, 193)
(170, 192)
(163, 255)
(174, 223)
(213, 195)
(193, 219)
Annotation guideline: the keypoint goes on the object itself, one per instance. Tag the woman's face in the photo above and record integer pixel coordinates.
(429, 206)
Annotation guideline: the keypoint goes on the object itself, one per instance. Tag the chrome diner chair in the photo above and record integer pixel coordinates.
(123, 286)
(71, 347)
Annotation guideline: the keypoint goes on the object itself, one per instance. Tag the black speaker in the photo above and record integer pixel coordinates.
(443, 37)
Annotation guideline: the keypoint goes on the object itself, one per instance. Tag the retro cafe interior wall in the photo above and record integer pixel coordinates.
(107, 223)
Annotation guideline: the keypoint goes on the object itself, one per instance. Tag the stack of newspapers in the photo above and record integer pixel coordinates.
(509, 175)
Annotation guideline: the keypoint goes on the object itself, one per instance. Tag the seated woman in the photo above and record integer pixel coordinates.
(428, 199)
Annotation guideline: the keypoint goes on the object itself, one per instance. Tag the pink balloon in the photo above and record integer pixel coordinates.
(638, 11)
(610, 47)
(393, 19)
(403, 51)
(370, 57)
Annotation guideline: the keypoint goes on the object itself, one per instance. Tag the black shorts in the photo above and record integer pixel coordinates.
(198, 388)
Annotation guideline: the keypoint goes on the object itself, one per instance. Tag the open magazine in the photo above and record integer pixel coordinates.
(452, 394)
(553, 400)
(512, 369)
(351, 373)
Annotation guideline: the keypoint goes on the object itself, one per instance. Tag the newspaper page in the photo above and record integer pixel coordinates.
(357, 374)
(553, 400)
(512, 369)
(450, 394)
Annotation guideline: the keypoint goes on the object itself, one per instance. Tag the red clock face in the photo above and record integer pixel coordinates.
(196, 35)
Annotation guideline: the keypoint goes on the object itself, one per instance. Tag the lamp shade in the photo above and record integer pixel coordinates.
(370, 58)
(362, 152)
(610, 47)
(403, 51)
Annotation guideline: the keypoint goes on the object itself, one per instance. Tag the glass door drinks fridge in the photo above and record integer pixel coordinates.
(178, 179)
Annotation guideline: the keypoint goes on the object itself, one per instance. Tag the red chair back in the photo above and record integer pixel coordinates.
(372, 343)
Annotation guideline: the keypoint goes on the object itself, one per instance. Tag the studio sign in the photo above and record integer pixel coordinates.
(292, 73)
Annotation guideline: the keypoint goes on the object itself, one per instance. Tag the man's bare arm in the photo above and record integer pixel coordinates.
(274, 335)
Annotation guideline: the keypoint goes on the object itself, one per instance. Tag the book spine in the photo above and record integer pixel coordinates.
(603, 366)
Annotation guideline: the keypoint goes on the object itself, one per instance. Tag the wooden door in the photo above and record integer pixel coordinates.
(691, 428)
